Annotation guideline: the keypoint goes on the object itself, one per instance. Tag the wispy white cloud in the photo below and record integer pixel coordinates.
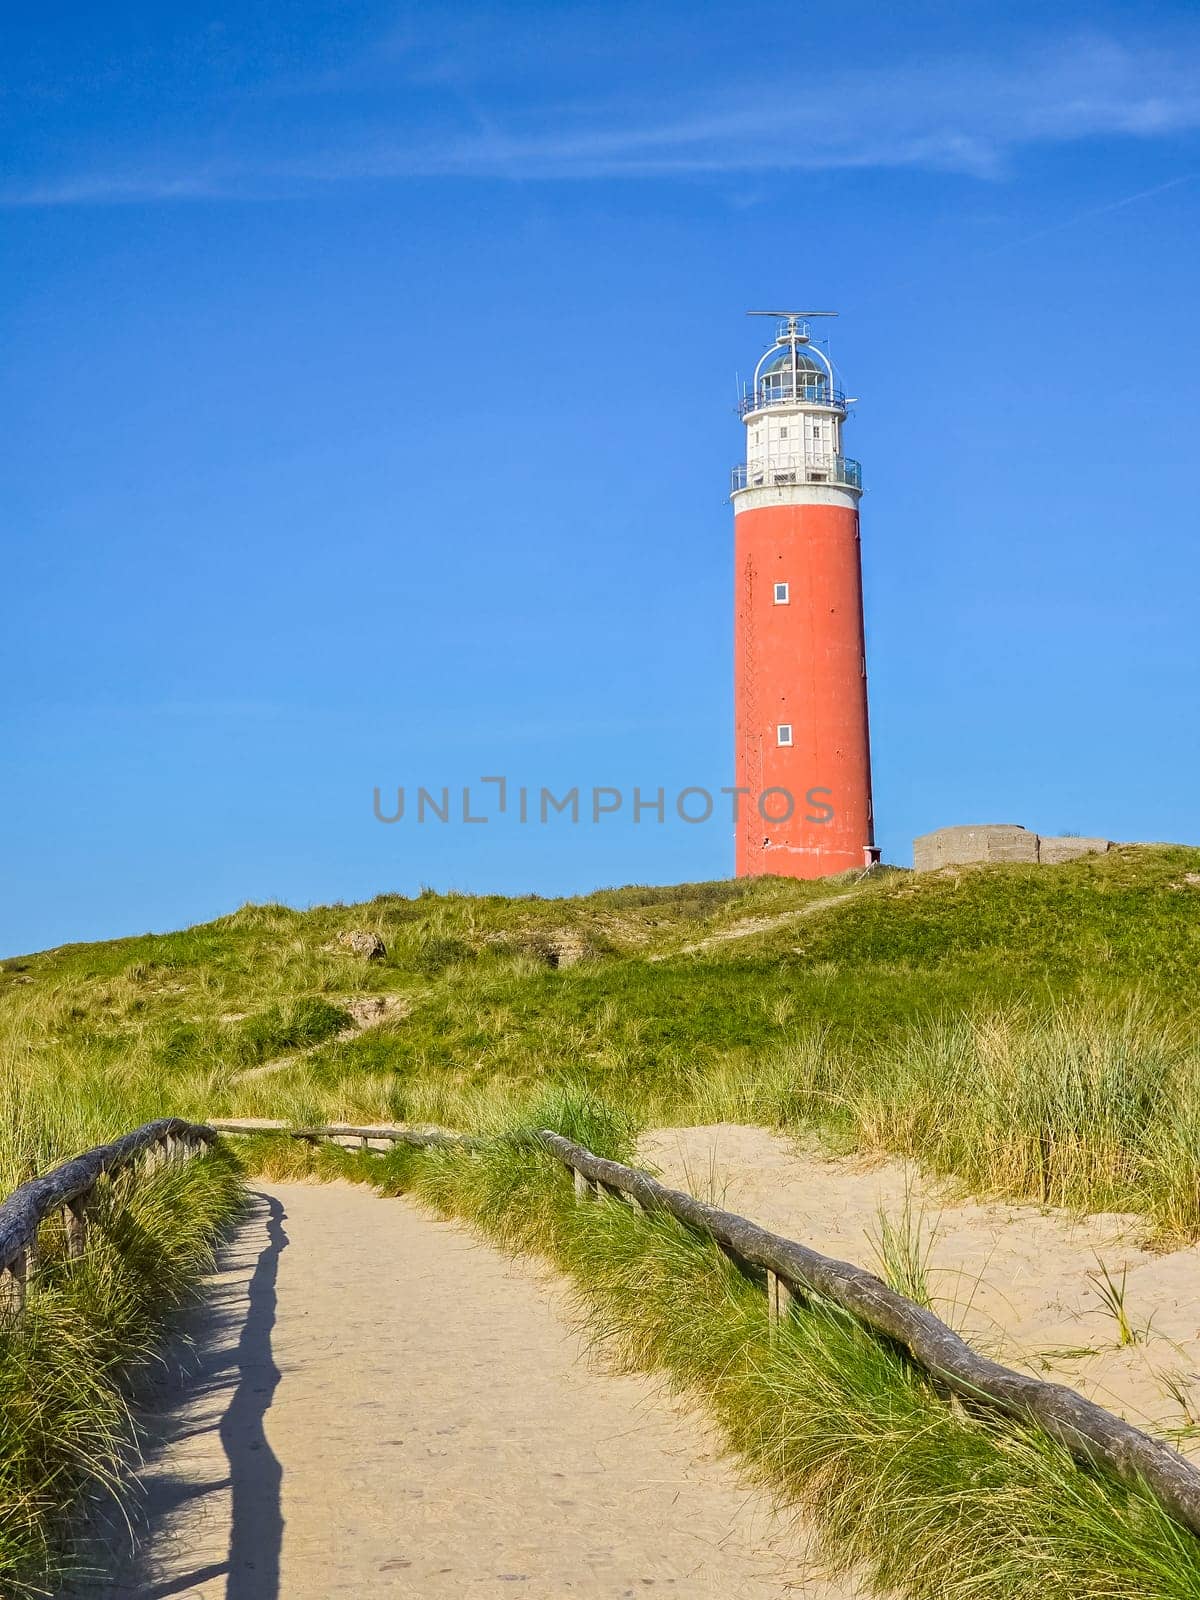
(957, 114)
(129, 188)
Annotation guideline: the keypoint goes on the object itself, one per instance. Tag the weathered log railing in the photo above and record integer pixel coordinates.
(70, 1189)
(792, 1271)
(348, 1134)
(1090, 1433)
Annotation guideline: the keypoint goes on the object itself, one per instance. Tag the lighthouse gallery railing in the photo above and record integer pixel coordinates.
(822, 469)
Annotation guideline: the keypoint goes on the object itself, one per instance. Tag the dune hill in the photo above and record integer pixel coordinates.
(856, 1005)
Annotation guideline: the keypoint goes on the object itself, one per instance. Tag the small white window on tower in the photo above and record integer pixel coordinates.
(783, 433)
(783, 733)
(782, 597)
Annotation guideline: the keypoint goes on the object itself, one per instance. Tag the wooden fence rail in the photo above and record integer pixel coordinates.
(793, 1271)
(1090, 1433)
(70, 1188)
(347, 1134)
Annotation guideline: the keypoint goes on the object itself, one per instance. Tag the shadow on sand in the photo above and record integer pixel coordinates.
(255, 1475)
(222, 1379)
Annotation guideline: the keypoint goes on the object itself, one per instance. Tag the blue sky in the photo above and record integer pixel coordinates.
(368, 378)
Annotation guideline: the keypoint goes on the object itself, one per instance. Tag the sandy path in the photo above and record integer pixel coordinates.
(1019, 1280)
(764, 924)
(380, 1405)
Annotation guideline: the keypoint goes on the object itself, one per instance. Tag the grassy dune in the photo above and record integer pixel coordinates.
(1031, 1031)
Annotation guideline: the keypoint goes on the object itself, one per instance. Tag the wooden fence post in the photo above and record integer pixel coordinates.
(779, 1301)
(18, 1272)
(74, 1192)
(75, 1217)
(583, 1189)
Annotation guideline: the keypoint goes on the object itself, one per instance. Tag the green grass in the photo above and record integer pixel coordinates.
(1031, 1032)
(1076, 1105)
(928, 1500)
(88, 1327)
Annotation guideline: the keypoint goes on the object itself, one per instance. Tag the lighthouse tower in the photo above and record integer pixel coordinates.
(803, 758)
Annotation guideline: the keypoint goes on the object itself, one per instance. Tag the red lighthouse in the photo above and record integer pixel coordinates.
(803, 757)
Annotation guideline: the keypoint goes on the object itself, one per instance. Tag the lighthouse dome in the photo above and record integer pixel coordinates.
(793, 372)
(781, 361)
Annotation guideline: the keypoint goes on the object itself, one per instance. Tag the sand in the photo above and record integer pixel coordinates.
(378, 1404)
(1015, 1279)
